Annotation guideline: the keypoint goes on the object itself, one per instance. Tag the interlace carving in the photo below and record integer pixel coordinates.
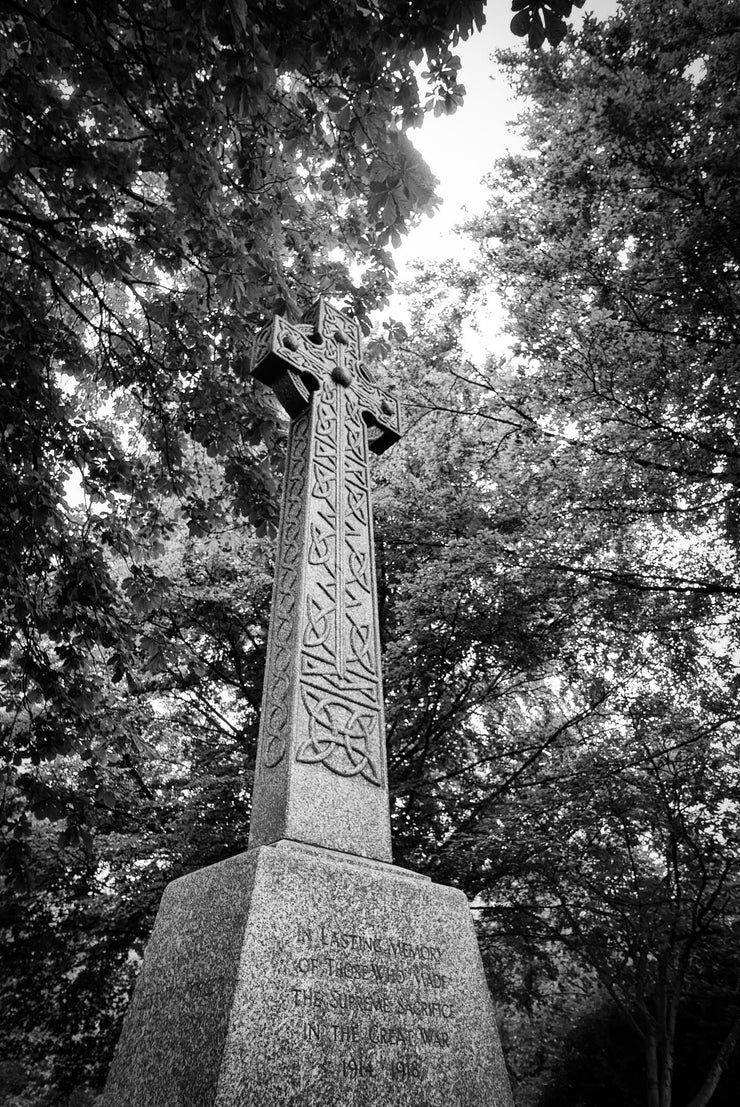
(315, 368)
(340, 670)
(285, 597)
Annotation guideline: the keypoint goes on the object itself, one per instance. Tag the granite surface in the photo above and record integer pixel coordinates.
(291, 976)
(322, 727)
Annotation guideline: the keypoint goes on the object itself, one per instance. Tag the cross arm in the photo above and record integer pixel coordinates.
(295, 358)
(283, 358)
(380, 412)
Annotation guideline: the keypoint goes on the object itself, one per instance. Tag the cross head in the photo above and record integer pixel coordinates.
(294, 358)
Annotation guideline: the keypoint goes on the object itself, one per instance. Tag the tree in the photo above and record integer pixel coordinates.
(542, 20)
(171, 174)
(564, 750)
(558, 610)
(636, 873)
(614, 246)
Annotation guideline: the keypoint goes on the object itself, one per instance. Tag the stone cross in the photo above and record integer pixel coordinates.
(306, 970)
(321, 771)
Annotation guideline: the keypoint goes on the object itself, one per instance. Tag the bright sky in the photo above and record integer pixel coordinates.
(461, 148)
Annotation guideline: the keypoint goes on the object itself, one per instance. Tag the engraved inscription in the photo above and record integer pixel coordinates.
(388, 1000)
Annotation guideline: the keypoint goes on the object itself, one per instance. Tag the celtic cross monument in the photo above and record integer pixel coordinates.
(309, 971)
(323, 703)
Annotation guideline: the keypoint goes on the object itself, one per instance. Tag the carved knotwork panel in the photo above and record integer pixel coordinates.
(340, 736)
(340, 666)
(283, 631)
(325, 633)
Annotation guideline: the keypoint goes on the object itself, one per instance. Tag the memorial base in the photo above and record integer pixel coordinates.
(296, 977)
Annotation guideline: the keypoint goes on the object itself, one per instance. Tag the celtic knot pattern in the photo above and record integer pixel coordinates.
(324, 638)
(275, 713)
(340, 736)
(340, 664)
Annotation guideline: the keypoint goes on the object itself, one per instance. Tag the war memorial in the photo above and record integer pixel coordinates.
(309, 971)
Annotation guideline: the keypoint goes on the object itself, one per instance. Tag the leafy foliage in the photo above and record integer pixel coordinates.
(542, 20)
(170, 174)
(622, 274)
(556, 533)
(613, 244)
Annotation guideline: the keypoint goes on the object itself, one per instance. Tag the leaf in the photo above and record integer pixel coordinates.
(560, 7)
(521, 22)
(389, 214)
(555, 28)
(536, 32)
(107, 797)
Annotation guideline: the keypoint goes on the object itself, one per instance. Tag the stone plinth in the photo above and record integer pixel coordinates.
(297, 977)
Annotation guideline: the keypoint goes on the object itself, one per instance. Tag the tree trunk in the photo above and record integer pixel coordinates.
(666, 1075)
(718, 1066)
(651, 1060)
(668, 1041)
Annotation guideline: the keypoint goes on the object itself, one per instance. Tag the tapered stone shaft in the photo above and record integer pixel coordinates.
(321, 765)
(307, 971)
